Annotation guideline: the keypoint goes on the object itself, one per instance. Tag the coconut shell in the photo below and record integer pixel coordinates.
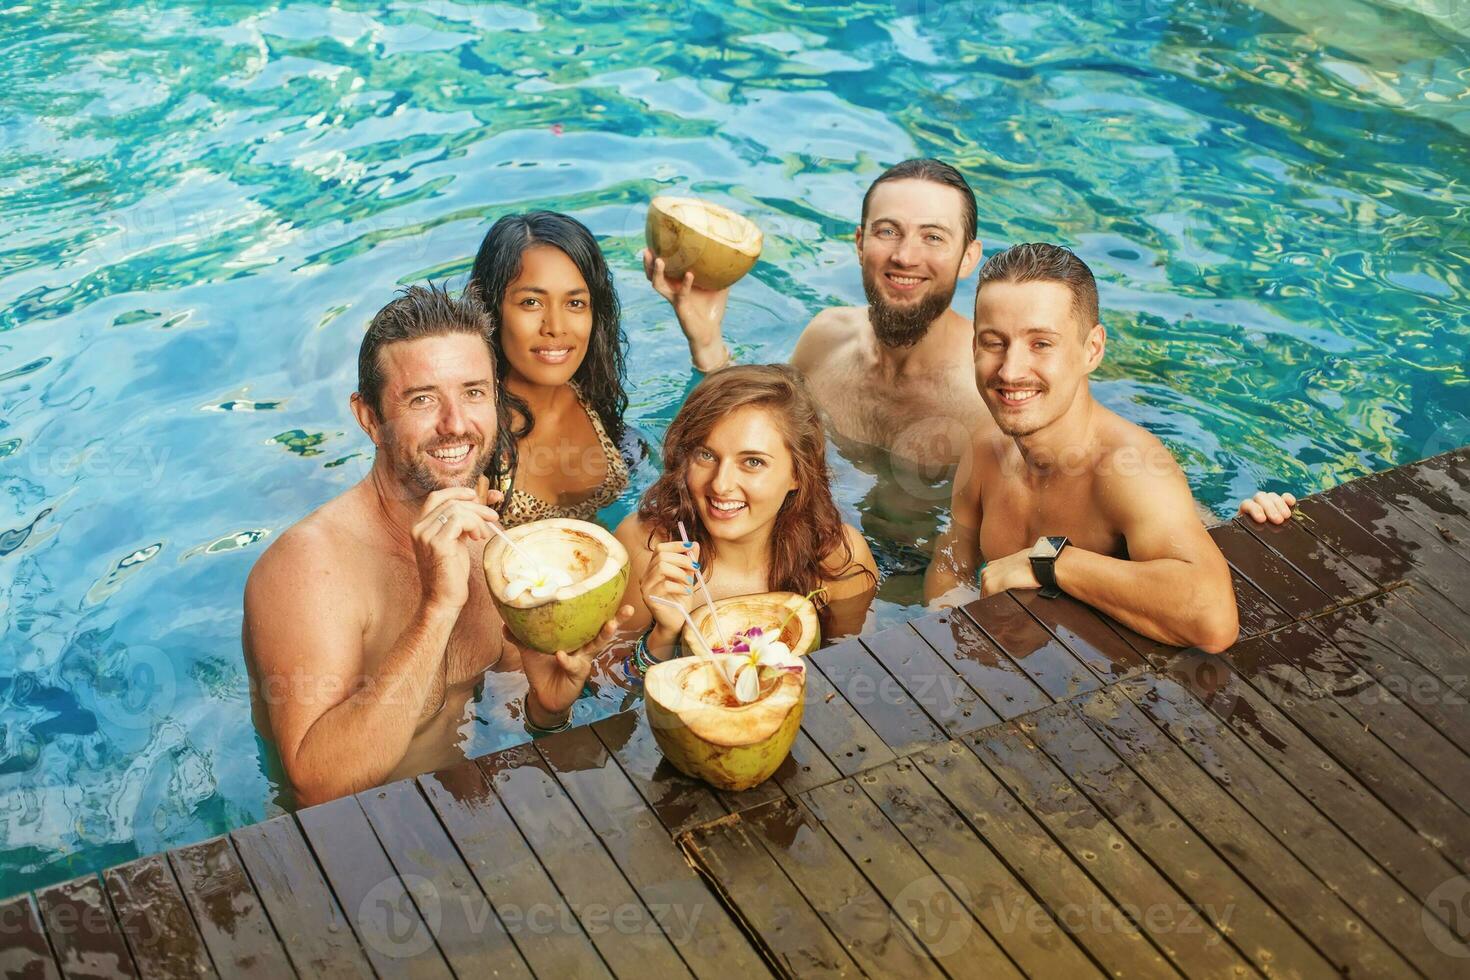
(802, 632)
(687, 233)
(573, 615)
(705, 735)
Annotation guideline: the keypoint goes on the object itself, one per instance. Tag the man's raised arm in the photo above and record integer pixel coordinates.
(339, 726)
(1174, 586)
(950, 578)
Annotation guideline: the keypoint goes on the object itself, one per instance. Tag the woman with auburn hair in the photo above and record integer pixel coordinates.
(745, 471)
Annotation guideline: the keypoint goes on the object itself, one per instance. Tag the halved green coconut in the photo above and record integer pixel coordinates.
(706, 734)
(766, 611)
(687, 233)
(578, 578)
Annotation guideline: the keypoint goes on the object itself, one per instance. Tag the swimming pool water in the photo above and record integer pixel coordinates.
(203, 202)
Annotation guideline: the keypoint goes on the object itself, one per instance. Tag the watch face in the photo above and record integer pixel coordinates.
(1047, 548)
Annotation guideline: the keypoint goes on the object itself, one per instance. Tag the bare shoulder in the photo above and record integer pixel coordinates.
(827, 333)
(1134, 462)
(846, 569)
(632, 534)
(312, 565)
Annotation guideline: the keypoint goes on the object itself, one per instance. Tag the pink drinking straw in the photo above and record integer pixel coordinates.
(709, 599)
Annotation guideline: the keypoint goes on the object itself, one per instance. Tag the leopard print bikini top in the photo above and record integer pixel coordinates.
(521, 507)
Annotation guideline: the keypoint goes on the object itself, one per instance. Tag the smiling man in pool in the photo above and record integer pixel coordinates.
(368, 624)
(893, 374)
(1064, 495)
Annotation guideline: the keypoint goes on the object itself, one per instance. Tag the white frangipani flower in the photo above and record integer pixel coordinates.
(766, 650)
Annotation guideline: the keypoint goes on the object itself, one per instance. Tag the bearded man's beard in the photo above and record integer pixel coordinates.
(904, 326)
(413, 470)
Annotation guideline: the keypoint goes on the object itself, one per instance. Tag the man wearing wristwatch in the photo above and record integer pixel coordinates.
(1069, 497)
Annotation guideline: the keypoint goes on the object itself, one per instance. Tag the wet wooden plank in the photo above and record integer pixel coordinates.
(994, 896)
(1046, 659)
(1073, 899)
(688, 912)
(929, 680)
(679, 801)
(466, 929)
(25, 954)
(792, 935)
(1433, 681)
(1257, 613)
(937, 919)
(877, 696)
(83, 932)
(874, 936)
(806, 767)
(1386, 566)
(1084, 633)
(1446, 475)
(1424, 505)
(1333, 677)
(610, 912)
(159, 929)
(312, 927)
(1006, 689)
(1432, 557)
(226, 909)
(838, 730)
(1190, 940)
(1269, 572)
(1443, 614)
(1303, 767)
(1317, 562)
(388, 923)
(1335, 930)
(1215, 891)
(527, 905)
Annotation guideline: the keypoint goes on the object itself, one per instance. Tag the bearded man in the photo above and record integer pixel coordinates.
(368, 624)
(894, 374)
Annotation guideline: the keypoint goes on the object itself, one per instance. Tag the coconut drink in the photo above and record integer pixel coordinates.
(556, 582)
(719, 245)
(791, 617)
(705, 731)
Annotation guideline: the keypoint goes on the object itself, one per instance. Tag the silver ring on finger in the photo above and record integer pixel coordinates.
(443, 519)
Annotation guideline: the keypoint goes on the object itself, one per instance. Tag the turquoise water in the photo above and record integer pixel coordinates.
(203, 202)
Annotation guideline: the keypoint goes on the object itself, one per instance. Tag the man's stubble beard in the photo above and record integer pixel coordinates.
(416, 477)
(904, 326)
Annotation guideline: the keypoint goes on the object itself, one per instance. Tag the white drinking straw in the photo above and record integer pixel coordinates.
(725, 638)
(513, 547)
(704, 648)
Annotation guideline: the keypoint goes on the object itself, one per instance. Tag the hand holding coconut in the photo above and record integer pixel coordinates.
(700, 312)
(696, 251)
(556, 679)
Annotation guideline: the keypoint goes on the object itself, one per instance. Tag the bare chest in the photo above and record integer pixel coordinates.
(930, 422)
(1013, 516)
(474, 644)
(561, 461)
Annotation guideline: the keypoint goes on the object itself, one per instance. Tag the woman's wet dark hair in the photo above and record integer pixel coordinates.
(603, 373)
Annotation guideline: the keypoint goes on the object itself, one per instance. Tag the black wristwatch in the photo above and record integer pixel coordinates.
(1043, 564)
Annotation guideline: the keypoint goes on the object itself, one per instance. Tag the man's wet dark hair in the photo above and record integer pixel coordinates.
(1041, 262)
(938, 172)
(417, 311)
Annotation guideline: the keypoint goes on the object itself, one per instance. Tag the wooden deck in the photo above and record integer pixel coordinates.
(1018, 788)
